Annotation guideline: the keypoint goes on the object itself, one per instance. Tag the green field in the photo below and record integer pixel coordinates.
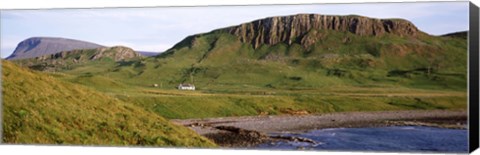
(202, 105)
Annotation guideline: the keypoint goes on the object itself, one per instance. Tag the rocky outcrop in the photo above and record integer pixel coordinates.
(64, 59)
(38, 46)
(116, 53)
(290, 29)
(237, 137)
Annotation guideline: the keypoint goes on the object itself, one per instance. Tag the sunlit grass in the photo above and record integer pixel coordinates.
(39, 109)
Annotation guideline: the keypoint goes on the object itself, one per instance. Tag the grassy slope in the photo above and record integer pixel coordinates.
(39, 109)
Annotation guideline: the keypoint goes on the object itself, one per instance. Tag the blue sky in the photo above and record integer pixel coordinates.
(157, 29)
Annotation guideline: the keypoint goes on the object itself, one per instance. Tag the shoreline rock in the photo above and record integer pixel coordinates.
(249, 131)
(237, 137)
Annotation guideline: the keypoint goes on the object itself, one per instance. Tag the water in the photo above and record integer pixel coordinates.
(394, 139)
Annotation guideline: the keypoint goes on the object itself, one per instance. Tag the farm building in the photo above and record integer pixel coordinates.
(186, 87)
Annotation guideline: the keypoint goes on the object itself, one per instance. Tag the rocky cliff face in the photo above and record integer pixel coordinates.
(116, 53)
(288, 29)
(38, 46)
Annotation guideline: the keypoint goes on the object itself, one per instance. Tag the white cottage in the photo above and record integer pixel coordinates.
(186, 87)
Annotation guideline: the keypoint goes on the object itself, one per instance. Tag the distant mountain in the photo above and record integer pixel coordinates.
(148, 54)
(461, 34)
(38, 46)
(79, 57)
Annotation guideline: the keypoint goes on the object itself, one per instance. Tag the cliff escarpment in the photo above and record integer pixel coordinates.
(289, 29)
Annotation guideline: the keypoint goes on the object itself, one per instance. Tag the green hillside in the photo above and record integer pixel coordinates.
(39, 109)
(216, 60)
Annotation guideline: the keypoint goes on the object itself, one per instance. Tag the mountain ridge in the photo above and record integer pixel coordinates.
(38, 46)
(288, 29)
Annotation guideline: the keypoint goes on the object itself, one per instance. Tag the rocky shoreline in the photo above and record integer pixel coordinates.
(249, 131)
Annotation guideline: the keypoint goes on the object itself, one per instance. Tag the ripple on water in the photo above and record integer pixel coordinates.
(395, 139)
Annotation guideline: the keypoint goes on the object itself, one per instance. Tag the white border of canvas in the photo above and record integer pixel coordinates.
(77, 150)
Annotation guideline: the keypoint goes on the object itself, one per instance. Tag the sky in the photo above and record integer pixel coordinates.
(157, 29)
